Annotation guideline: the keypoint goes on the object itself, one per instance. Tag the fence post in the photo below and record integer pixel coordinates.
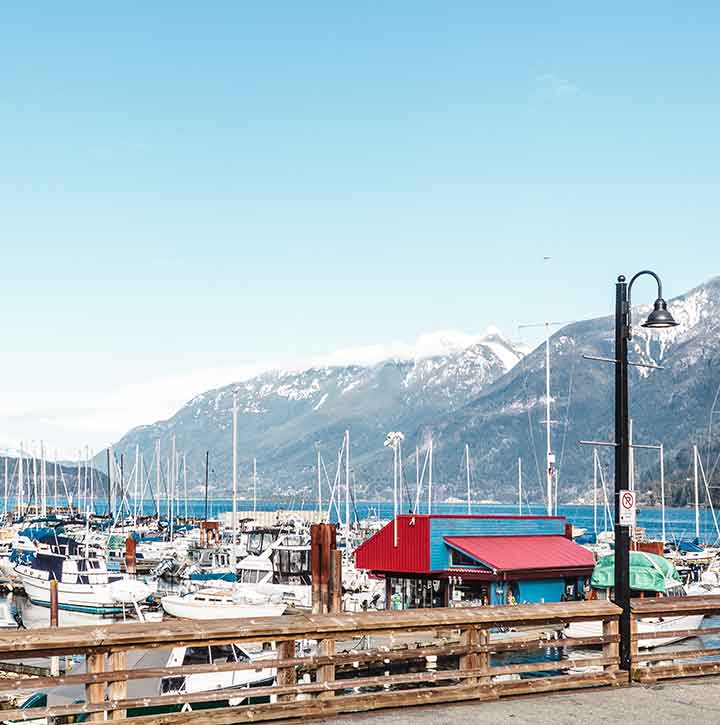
(119, 688)
(469, 661)
(286, 675)
(633, 643)
(54, 619)
(483, 658)
(611, 649)
(95, 692)
(326, 673)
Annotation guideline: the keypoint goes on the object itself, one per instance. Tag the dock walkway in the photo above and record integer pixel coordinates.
(694, 701)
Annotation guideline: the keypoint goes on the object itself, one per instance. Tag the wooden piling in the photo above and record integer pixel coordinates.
(315, 563)
(131, 555)
(119, 688)
(54, 620)
(335, 581)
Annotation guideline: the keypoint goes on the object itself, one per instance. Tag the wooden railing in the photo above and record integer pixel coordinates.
(404, 662)
(690, 656)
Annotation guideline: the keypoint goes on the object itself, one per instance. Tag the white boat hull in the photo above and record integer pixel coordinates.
(656, 626)
(185, 608)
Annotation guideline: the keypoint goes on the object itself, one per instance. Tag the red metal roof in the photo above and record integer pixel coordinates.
(524, 553)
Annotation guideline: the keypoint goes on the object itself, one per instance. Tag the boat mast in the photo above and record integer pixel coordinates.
(550, 460)
(697, 494)
(137, 481)
(595, 490)
(519, 486)
(157, 475)
(55, 475)
(254, 485)
(467, 474)
(662, 489)
(185, 486)
(207, 466)
(43, 480)
(173, 454)
(319, 483)
(5, 505)
(233, 554)
(430, 477)
(347, 481)
(35, 481)
(21, 482)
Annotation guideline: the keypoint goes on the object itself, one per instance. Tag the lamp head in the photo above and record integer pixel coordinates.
(660, 317)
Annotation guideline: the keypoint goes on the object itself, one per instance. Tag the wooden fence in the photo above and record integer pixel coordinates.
(480, 658)
(672, 617)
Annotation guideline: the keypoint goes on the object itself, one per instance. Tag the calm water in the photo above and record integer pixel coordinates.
(680, 522)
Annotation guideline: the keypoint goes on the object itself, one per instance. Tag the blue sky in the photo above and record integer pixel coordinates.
(196, 190)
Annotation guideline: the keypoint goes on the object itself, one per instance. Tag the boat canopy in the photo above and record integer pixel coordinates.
(648, 573)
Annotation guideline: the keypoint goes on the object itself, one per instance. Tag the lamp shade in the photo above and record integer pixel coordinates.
(659, 317)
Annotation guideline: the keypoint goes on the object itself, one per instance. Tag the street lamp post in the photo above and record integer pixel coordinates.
(658, 318)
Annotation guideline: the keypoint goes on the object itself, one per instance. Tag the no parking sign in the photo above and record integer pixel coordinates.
(627, 508)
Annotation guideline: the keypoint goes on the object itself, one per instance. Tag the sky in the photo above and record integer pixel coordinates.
(194, 192)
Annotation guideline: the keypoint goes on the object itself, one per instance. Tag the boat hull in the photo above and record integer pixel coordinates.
(175, 606)
(654, 626)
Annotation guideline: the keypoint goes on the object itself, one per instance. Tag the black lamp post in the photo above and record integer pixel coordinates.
(658, 318)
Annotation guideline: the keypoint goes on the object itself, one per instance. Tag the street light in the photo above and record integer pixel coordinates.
(659, 318)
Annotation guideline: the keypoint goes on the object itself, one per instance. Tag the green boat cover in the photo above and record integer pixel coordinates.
(648, 573)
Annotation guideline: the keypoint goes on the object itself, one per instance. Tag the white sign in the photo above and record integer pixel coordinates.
(627, 508)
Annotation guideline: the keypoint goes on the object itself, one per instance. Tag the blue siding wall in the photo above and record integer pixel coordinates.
(540, 590)
(441, 527)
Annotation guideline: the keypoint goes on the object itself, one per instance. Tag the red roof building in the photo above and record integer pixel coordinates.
(438, 559)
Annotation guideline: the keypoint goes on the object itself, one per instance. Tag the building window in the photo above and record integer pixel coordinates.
(457, 558)
(413, 593)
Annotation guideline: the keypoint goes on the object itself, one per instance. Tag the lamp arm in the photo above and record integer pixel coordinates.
(628, 311)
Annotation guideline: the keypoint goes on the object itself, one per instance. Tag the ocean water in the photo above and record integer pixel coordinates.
(679, 522)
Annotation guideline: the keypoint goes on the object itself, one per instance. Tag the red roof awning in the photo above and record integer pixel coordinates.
(523, 553)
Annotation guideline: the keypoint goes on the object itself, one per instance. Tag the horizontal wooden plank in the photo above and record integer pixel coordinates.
(348, 703)
(369, 702)
(141, 673)
(678, 633)
(678, 654)
(668, 672)
(674, 606)
(299, 626)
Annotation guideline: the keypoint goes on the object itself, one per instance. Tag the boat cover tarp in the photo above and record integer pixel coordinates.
(648, 572)
(689, 546)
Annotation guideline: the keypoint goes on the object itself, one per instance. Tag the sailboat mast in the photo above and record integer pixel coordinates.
(697, 493)
(319, 483)
(430, 477)
(55, 476)
(137, 481)
(467, 474)
(254, 484)
(5, 505)
(550, 458)
(185, 486)
(207, 472)
(395, 494)
(347, 480)
(233, 554)
(157, 475)
(173, 456)
(21, 482)
(519, 486)
(662, 489)
(595, 490)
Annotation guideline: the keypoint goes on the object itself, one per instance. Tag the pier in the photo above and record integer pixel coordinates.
(321, 674)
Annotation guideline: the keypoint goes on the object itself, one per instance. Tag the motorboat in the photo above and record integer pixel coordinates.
(651, 575)
(216, 603)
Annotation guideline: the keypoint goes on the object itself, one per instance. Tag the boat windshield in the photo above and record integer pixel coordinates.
(251, 576)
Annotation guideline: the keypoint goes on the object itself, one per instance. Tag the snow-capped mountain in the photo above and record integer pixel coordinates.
(284, 414)
(479, 390)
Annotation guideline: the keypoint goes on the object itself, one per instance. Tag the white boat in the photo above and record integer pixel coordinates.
(233, 687)
(84, 584)
(215, 603)
(653, 575)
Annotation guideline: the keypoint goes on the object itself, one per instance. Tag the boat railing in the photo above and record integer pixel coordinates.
(693, 651)
(419, 656)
